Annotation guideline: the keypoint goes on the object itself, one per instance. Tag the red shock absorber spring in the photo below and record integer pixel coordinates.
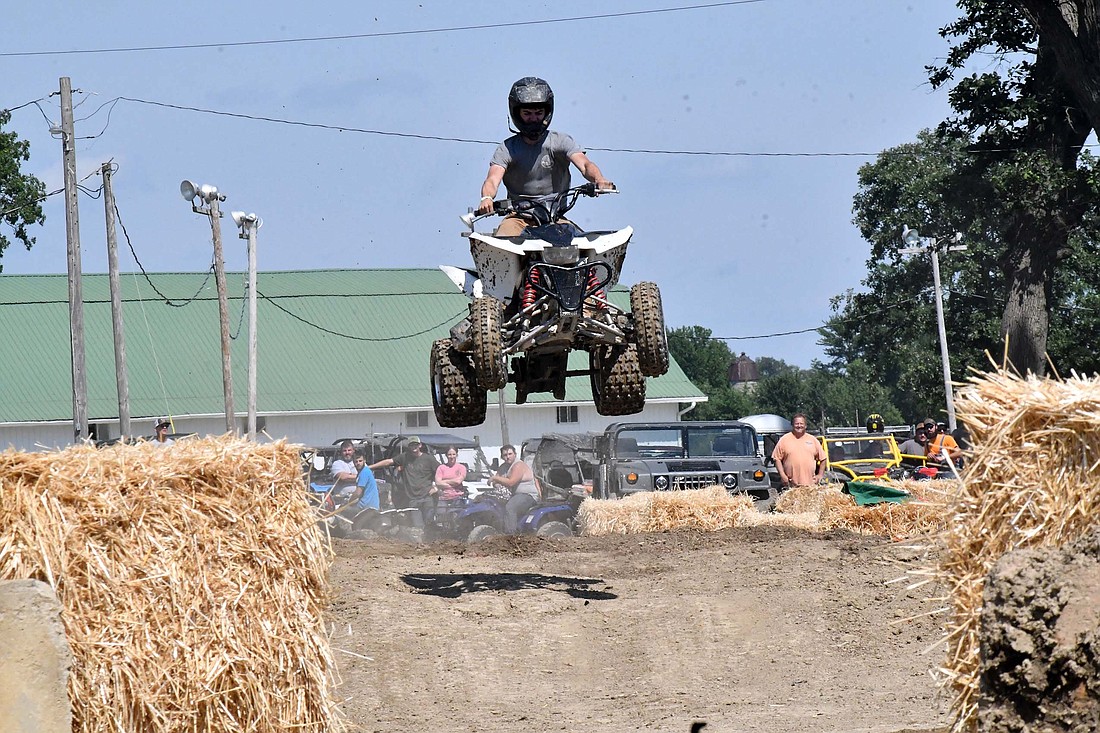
(594, 282)
(529, 288)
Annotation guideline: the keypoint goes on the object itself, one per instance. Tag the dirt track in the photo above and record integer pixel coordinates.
(751, 630)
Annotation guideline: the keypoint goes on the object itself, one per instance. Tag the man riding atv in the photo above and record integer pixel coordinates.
(540, 285)
(535, 161)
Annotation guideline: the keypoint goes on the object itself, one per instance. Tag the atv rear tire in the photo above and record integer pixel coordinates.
(649, 328)
(554, 530)
(486, 314)
(456, 396)
(618, 387)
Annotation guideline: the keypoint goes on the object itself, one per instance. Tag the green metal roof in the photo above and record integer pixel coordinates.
(327, 340)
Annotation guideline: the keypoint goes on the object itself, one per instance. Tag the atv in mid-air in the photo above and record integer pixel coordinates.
(538, 296)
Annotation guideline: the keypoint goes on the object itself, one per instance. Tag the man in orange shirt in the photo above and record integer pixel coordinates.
(938, 442)
(799, 458)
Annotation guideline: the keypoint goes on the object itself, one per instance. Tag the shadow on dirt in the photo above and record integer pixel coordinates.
(453, 585)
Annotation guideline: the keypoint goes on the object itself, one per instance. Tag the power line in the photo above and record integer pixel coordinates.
(442, 138)
(862, 317)
(28, 104)
(311, 324)
(381, 34)
(318, 125)
(272, 299)
(165, 298)
(33, 201)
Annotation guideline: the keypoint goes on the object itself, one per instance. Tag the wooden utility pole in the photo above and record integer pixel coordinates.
(223, 313)
(503, 417)
(121, 380)
(72, 240)
(253, 225)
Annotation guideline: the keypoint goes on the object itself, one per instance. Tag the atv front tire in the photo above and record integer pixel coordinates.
(486, 314)
(554, 530)
(649, 328)
(456, 396)
(481, 532)
(618, 387)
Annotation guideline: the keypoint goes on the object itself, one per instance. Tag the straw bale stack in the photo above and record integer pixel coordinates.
(1033, 480)
(924, 514)
(817, 508)
(192, 582)
(707, 509)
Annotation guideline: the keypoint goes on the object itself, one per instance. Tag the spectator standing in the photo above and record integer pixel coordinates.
(449, 477)
(160, 432)
(799, 457)
(517, 477)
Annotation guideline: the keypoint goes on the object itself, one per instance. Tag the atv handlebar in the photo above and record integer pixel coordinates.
(549, 206)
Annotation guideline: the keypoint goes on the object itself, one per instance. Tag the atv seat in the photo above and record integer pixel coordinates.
(559, 476)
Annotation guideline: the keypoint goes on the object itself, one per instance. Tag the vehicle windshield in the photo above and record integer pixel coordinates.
(686, 442)
(859, 449)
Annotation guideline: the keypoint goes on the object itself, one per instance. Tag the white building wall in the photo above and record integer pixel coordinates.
(322, 428)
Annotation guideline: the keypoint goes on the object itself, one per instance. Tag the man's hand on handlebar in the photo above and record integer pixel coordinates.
(485, 206)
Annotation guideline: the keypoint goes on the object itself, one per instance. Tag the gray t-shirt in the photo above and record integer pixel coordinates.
(911, 447)
(539, 169)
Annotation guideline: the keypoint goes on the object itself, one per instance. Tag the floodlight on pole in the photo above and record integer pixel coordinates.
(916, 244)
(210, 195)
(248, 224)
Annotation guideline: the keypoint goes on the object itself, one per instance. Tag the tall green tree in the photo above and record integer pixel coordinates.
(1027, 130)
(20, 194)
(890, 325)
(706, 362)
(1071, 29)
(1009, 172)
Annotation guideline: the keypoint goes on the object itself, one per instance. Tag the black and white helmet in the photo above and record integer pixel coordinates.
(531, 91)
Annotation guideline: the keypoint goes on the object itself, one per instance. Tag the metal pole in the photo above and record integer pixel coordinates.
(503, 418)
(944, 357)
(223, 314)
(252, 331)
(121, 380)
(72, 240)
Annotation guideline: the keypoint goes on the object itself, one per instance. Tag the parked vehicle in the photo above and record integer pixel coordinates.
(565, 467)
(535, 298)
(860, 457)
(668, 456)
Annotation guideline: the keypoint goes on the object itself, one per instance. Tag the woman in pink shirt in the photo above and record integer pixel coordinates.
(449, 477)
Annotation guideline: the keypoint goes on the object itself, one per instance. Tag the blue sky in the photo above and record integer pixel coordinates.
(744, 245)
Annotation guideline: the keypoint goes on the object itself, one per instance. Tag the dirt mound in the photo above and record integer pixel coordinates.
(1041, 640)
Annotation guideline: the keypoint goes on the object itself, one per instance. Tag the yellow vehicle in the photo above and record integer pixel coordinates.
(860, 457)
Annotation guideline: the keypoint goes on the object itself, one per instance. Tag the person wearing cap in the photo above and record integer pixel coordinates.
(416, 478)
(938, 442)
(160, 432)
(914, 447)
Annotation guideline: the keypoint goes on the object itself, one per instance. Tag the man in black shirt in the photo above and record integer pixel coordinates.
(415, 478)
